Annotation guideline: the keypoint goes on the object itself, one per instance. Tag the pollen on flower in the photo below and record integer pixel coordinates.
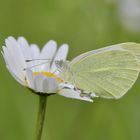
(49, 74)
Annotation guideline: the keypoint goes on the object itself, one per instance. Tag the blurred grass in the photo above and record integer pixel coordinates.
(84, 25)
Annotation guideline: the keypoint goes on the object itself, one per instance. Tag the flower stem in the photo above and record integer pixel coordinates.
(41, 116)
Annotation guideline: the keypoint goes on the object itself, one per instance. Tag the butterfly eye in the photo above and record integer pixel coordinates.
(59, 63)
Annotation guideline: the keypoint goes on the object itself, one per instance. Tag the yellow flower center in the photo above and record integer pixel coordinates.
(49, 74)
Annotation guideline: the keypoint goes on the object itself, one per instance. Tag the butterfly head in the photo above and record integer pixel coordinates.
(62, 65)
(59, 63)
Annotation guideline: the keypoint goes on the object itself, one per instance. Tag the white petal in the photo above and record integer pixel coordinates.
(9, 58)
(10, 67)
(62, 52)
(30, 79)
(14, 58)
(60, 55)
(14, 48)
(50, 85)
(23, 42)
(15, 51)
(69, 93)
(47, 52)
(4, 54)
(38, 82)
(35, 52)
(15, 77)
(24, 46)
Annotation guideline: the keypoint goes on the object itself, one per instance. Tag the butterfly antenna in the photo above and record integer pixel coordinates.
(34, 66)
(30, 60)
(39, 59)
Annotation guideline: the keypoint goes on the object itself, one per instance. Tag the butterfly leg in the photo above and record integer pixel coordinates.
(82, 93)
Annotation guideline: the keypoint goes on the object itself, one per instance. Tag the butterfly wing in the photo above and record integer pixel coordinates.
(109, 72)
(132, 47)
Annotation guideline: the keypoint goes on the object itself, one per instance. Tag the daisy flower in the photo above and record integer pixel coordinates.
(36, 69)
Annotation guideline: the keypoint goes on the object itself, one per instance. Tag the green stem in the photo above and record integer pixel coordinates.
(41, 116)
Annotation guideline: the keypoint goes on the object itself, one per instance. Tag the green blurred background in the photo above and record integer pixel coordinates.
(84, 25)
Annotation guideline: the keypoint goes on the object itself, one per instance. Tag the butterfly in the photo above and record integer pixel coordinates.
(107, 72)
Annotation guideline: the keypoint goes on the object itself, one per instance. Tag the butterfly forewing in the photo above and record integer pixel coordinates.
(132, 48)
(109, 73)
